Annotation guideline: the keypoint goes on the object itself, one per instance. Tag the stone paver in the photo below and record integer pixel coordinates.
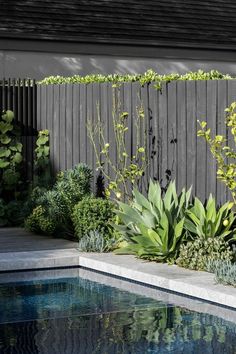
(18, 240)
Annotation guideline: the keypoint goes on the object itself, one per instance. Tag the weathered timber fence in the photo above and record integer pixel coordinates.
(171, 115)
(171, 124)
(20, 96)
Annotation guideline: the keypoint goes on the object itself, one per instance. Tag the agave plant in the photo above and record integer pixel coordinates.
(154, 226)
(209, 222)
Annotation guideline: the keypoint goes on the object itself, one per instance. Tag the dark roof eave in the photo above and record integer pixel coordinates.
(115, 41)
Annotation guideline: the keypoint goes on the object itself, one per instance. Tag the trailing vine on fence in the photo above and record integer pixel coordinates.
(150, 76)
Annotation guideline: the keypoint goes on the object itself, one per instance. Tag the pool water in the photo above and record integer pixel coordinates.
(75, 315)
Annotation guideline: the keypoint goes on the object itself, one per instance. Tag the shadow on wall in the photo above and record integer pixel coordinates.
(39, 65)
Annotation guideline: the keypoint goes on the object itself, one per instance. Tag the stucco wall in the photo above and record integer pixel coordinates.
(38, 64)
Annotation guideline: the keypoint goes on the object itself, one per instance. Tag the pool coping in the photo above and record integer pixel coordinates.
(200, 285)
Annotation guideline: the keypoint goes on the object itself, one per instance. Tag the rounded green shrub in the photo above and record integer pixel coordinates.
(196, 254)
(39, 222)
(93, 214)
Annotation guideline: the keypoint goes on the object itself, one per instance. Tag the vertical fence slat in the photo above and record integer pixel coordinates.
(104, 109)
(211, 123)
(191, 134)
(163, 126)
(69, 125)
(96, 116)
(111, 97)
(63, 132)
(76, 125)
(55, 138)
(83, 133)
(221, 130)
(172, 138)
(201, 114)
(154, 118)
(131, 112)
(181, 160)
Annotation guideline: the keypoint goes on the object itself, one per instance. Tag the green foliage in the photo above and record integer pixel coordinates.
(146, 78)
(122, 171)
(42, 168)
(154, 226)
(94, 241)
(10, 153)
(39, 222)
(208, 221)
(93, 214)
(224, 270)
(197, 253)
(224, 154)
(57, 204)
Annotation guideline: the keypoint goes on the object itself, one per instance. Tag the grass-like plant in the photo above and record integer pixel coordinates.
(123, 170)
(154, 226)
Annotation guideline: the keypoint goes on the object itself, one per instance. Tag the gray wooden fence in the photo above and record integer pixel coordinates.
(171, 116)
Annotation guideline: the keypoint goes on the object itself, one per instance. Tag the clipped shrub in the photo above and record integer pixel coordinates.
(224, 270)
(196, 254)
(39, 222)
(154, 226)
(93, 214)
(94, 241)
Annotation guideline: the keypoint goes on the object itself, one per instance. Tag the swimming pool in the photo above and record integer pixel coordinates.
(75, 311)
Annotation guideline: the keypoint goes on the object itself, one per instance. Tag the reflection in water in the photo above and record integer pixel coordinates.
(81, 317)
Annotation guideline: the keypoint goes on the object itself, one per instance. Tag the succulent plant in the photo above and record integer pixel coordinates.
(209, 222)
(94, 241)
(154, 226)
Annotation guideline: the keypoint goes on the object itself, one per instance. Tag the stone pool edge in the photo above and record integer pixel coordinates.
(200, 285)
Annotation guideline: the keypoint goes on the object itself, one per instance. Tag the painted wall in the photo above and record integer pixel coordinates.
(41, 63)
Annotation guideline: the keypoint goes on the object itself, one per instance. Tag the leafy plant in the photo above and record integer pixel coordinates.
(154, 226)
(208, 221)
(224, 271)
(93, 214)
(197, 253)
(224, 154)
(146, 78)
(10, 154)
(42, 168)
(94, 241)
(122, 170)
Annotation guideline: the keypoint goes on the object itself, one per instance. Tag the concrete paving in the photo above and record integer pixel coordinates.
(18, 240)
